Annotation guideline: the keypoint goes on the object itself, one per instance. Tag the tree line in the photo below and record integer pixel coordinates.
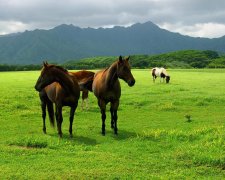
(178, 59)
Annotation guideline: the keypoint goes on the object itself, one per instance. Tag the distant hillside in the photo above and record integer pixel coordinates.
(66, 42)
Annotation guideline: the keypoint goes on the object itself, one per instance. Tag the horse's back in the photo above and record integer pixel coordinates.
(80, 75)
(163, 70)
(156, 71)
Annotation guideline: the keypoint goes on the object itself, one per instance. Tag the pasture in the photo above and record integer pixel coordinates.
(155, 139)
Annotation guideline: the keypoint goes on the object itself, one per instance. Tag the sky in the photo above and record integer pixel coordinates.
(197, 18)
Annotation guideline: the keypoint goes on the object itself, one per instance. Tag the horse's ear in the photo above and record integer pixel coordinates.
(120, 59)
(128, 58)
(45, 63)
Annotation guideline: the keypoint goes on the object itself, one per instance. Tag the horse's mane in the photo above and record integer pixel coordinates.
(104, 70)
(59, 67)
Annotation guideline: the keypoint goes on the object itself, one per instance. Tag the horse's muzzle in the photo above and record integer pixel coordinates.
(131, 82)
(37, 88)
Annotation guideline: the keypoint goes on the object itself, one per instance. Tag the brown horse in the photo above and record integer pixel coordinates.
(81, 76)
(106, 88)
(56, 85)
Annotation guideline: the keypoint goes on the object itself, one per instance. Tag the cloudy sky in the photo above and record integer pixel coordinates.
(199, 18)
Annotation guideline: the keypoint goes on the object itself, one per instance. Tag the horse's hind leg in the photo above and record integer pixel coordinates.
(154, 78)
(72, 111)
(87, 102)
(102, 106)
(82, 104)
(51, 113)
(112, 117)
(85, 98)
(43, 108)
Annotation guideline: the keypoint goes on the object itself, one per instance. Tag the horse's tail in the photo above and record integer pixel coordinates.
(87, 84)
(51, 113)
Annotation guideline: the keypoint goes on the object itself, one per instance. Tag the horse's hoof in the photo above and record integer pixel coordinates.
(115, 132)
(103, 133)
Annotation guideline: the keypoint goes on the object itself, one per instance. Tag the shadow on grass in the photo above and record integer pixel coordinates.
(123, 134)
(76, 139)
(84, 140)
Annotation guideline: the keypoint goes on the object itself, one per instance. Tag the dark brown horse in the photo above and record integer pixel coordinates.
(81, 77)
(106, 88)
(56, 85)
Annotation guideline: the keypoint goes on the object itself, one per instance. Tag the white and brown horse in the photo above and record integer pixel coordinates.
(160, 72)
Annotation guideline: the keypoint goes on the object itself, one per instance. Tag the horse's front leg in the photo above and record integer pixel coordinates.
(113, 109)
(72, 111)
(43, 108)
(59, 119)
(102, 106)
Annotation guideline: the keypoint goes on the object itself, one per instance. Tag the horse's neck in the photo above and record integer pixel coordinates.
(65, 81)
(112, 74)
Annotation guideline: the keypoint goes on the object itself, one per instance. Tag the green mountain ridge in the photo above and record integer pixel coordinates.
(67, 42)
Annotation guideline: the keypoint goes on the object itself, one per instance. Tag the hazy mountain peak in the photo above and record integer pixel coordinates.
(67, 42)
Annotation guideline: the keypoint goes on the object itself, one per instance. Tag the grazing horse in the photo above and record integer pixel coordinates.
(160, 72)
(81, 76)
(106, 88)
(56, 85)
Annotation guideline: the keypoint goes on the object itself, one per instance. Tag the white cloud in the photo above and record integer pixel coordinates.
(11, 27)
(210, 30)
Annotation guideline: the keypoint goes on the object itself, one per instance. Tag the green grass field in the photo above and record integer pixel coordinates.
(155, 139)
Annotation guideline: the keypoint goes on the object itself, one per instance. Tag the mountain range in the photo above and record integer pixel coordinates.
(69, 42)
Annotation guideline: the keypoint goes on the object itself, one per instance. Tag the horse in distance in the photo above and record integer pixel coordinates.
(160, 72)
(106, 87)
(56, 85)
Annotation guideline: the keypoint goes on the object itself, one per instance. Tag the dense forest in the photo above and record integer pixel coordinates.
(178, 59)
